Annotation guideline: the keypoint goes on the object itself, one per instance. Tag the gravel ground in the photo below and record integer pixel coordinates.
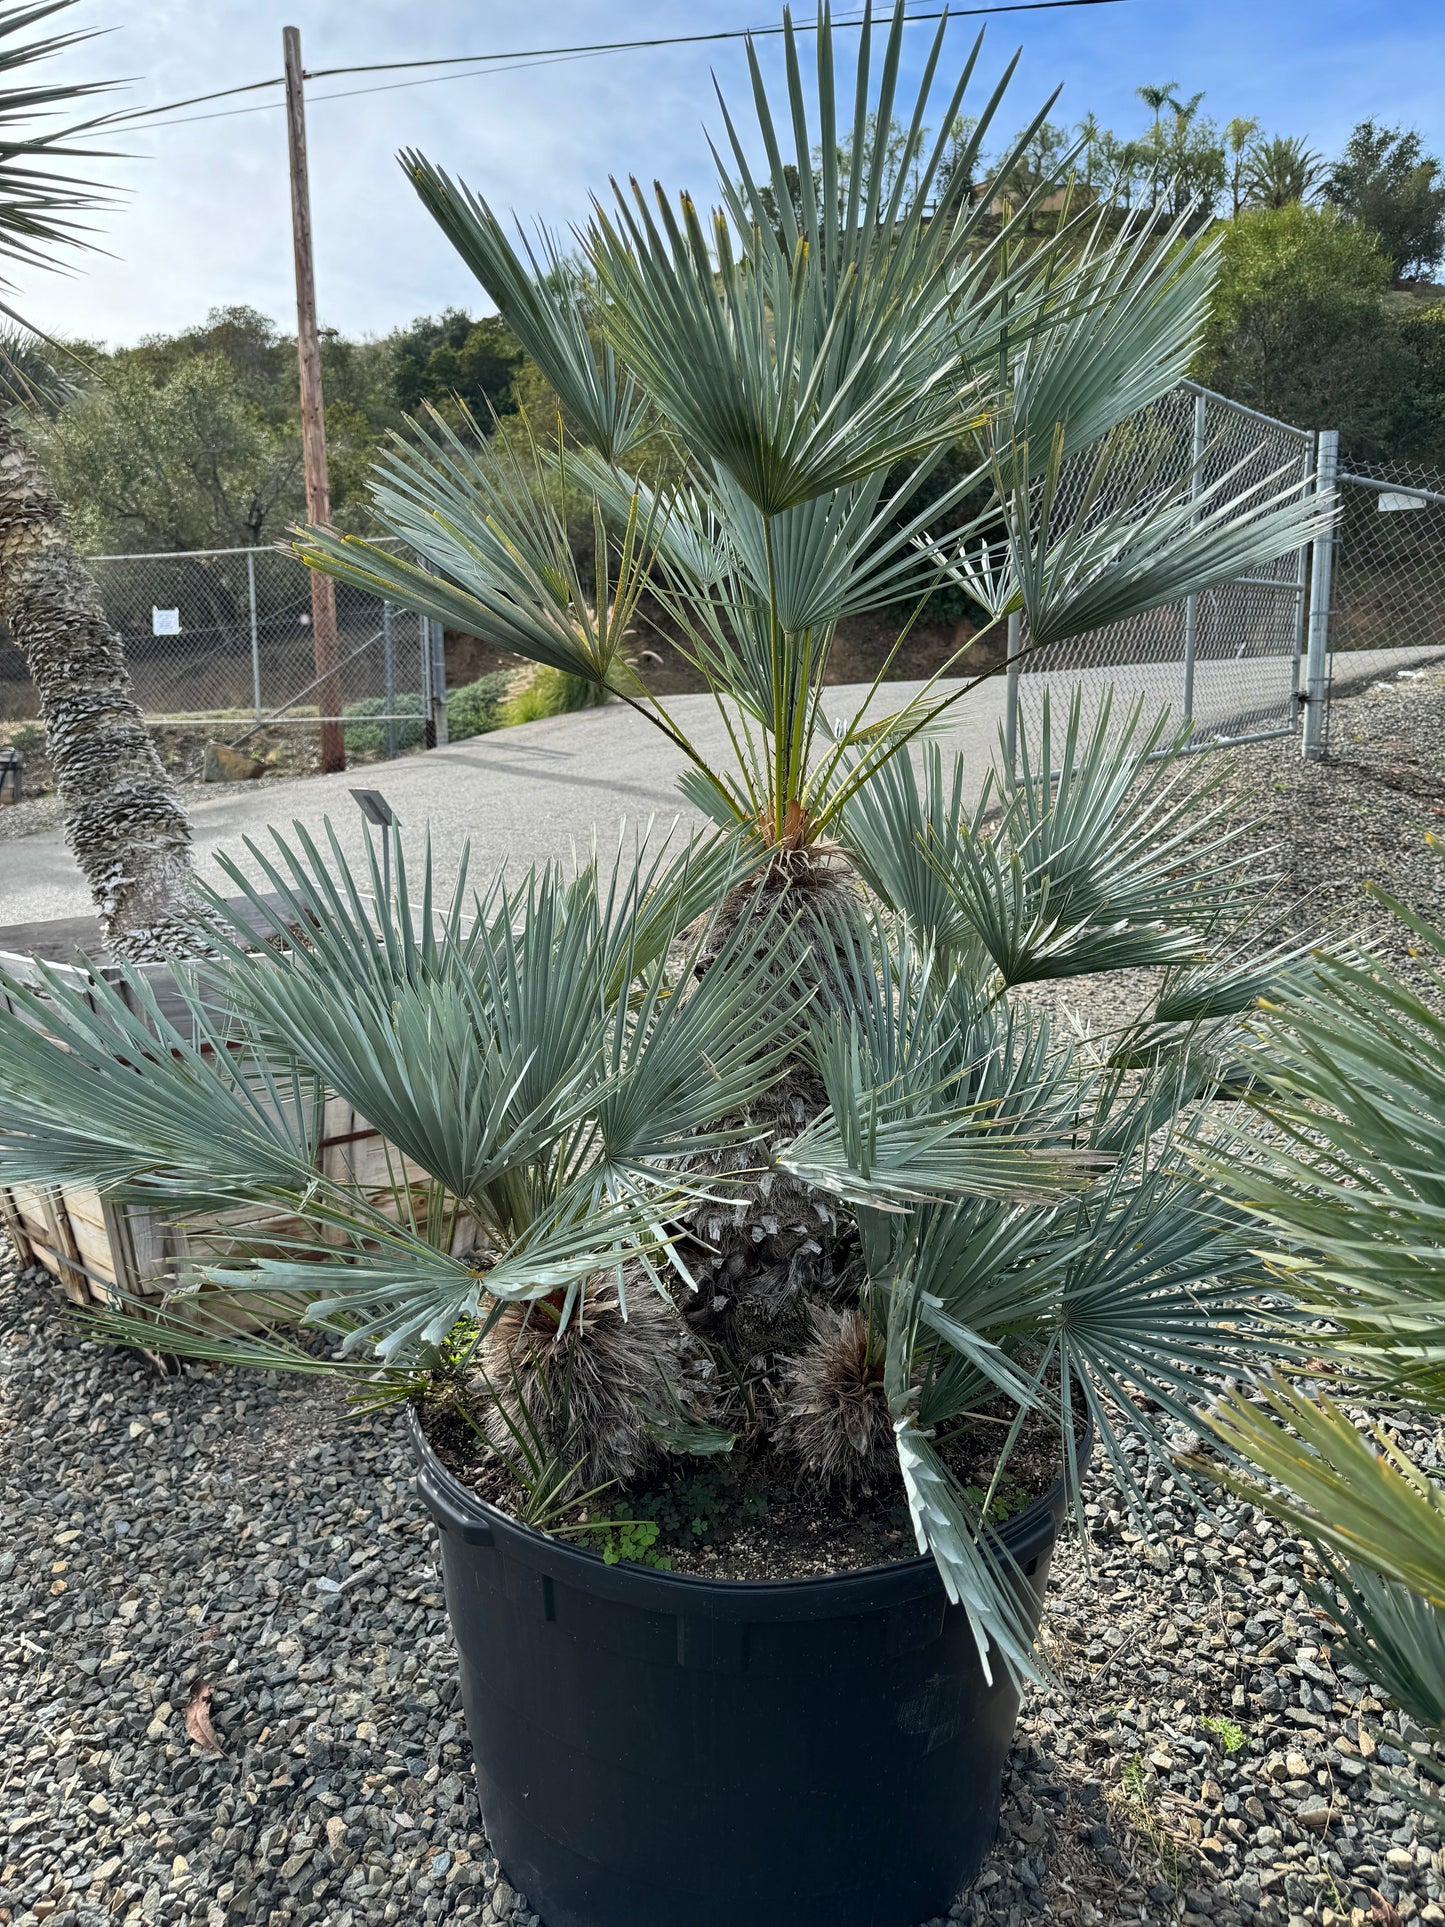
(241, 1533)
(1321, 831)
(1360, 817)
(244, 1533)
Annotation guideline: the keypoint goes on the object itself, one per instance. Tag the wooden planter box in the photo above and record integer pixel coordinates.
(93, 1244)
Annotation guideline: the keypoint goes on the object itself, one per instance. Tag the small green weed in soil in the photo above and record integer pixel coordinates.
(1010, 1498)
(630, 1542)
(703, 1507)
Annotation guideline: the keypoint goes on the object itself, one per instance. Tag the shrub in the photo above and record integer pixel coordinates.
(367, 737)
(472, 709)
(544, 691)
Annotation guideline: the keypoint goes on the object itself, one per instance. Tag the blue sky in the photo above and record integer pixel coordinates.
(204, 219)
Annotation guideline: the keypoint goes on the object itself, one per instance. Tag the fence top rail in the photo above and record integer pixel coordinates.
(1392, 488)
(197, 555)
(188, 555)
(1255, 414)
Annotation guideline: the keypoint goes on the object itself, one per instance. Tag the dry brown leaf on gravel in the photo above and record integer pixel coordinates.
(198, 1717)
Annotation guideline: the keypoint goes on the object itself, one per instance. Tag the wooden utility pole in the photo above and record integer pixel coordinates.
(313, 414)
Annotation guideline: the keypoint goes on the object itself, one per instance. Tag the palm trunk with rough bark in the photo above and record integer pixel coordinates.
(124, 821)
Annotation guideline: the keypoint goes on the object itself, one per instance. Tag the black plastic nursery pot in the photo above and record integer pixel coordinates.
(658, 1750)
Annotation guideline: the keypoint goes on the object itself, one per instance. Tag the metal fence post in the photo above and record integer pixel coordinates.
(1191, 603)
(433, 677)
(428, 726)
(1322, 564)
(439, 683)
(255, 633)
(388, 672)
(1011, 708)
(1302, 564)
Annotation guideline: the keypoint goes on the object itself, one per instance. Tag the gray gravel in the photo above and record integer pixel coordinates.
(244, 1532)
(1317, 833)
(1362, 816)
(222, 1527)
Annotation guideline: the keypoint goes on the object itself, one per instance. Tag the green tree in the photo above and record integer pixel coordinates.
(1299, 326)
(1181, 158)
(1280, 171)
(183, 462)
(1390, 185)
(1239, 134)
(451, 356)
(1194, 159)
(262, 361)
(193, 440)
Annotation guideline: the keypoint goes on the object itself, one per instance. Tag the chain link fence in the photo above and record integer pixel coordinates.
(1226, 661)
(223, 637)
(1389, 588)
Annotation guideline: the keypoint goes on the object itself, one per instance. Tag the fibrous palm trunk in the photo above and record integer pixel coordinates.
(124, 822)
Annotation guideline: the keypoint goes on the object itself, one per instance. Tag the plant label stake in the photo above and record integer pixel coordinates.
(375, 808)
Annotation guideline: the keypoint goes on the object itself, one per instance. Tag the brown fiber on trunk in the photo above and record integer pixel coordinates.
(124, 821)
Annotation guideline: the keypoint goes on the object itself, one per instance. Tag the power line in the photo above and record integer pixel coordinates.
(530, 56)
(386, 87)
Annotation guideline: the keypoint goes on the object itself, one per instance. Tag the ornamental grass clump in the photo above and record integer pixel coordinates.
(755, 1151)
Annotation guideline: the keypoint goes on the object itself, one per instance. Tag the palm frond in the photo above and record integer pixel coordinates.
(929, 1099)
(977, 1571)
(1132, 309)
(1358, 1496)
(41, 194)
(889, 826)
(1156, 1289)
(502, 566)
(101, 1088)
(1102, 859)
(1083, 559)
(543, 306)
(1392, 1635)
(1345, 1176)
(804, 359)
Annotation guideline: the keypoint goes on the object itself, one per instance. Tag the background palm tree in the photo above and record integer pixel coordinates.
(1239, 133)
(1156, 99)
(124, 821)
(1281, 171)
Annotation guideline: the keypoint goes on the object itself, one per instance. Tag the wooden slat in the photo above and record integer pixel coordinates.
(117, 1220)
(13, 1222)
(62, 1242)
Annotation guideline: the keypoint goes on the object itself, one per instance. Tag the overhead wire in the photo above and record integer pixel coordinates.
(516, 58)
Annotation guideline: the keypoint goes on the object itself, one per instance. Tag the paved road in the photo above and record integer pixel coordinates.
(517, 795)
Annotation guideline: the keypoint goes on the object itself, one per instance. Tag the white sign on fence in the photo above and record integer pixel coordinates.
(1397, 504)
(165, 622)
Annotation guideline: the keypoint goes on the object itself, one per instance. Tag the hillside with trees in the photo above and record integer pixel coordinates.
(1325, 315)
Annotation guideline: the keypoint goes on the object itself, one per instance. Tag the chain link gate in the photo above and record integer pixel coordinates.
(223, 637)
(1227, 661)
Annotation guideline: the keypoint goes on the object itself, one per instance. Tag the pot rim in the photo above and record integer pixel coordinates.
(444, 1494)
